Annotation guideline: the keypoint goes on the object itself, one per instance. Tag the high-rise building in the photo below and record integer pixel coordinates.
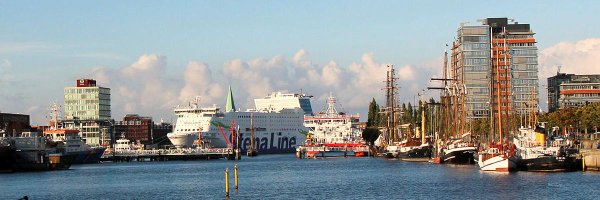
(570, 90)
(87, 109)
(87, 101)
(497, 63)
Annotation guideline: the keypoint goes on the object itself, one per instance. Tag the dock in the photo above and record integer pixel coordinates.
(169, 154)
(332, 150)
(591, 160)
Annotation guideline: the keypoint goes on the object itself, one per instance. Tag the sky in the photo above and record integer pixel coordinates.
(155, 55)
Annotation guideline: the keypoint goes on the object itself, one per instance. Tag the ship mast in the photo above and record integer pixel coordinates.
(390, 109)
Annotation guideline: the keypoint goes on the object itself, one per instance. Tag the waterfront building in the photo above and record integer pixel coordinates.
(135, 128)
(571, 90)
(87, 109)
(13, 124)
(496, 62)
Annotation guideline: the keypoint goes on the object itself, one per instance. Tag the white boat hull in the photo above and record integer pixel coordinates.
(181, 140)
(497, 163)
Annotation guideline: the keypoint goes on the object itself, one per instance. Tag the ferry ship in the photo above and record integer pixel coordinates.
(277, 128)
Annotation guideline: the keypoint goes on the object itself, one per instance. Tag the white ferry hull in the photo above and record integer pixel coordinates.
(497, 163)
(181, 140)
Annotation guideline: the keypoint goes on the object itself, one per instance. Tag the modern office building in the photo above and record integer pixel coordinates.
(570, 90)
(497, 63)
(87, 101)
(87, 109)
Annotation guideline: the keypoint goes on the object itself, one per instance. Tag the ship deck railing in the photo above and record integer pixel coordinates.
(180, 151)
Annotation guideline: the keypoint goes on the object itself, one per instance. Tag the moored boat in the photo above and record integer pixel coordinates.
(536, 155)
(460, 151)
(496, 159)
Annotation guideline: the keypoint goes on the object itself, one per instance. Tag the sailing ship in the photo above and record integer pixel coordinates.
(501, 155)
(411, 148)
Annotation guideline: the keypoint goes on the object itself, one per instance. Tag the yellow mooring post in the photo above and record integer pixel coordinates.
(226, 182)
(583, 163)
(235, 176)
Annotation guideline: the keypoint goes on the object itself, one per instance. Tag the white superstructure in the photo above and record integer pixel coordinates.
(330, 126)
(275, 130)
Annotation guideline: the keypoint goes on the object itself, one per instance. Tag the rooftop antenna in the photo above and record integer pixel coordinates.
(558, 69)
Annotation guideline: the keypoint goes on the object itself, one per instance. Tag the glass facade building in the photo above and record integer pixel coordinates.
(471, 61)
(497, 63)
(87, 109)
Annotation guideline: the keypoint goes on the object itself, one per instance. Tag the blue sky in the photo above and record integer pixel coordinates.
(46, 45)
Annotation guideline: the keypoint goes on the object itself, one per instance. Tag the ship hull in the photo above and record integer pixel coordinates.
(272, 143)
(85, 157)
(416, 152)
(180, 140)
(7, 158)
(498, 163)
(460, 156)
(548, 164)
(37, 161)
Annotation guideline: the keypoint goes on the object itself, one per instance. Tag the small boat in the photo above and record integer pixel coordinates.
(460, 151)
(496, 159)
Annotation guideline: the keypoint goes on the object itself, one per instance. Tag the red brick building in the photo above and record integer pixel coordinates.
(135, 128)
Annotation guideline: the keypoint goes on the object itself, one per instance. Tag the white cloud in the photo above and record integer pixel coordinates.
(199, 82)
(144, 88)
(139, 88)
(580, 57)
(11, 47)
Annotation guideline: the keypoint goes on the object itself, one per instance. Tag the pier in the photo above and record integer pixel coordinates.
(591, 160)
(169, 154)
(332, 150)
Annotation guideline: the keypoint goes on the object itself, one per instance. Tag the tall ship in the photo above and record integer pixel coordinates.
(332, 127)
(277, 123)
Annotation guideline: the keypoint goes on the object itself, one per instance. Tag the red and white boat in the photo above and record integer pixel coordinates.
(495, 159)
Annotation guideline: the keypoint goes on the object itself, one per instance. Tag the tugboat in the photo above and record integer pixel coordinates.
(535, 155)
(71, 142)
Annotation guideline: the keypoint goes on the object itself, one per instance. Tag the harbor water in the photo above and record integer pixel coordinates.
(285, 177)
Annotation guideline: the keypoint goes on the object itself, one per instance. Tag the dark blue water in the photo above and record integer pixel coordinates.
(284, 177)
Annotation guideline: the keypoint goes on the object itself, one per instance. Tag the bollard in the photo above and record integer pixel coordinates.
(235, 177)
(583, 163)
(226, 182)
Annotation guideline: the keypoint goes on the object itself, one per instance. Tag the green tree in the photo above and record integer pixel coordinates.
(373, 118)
(370, 134)
(409, 113)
